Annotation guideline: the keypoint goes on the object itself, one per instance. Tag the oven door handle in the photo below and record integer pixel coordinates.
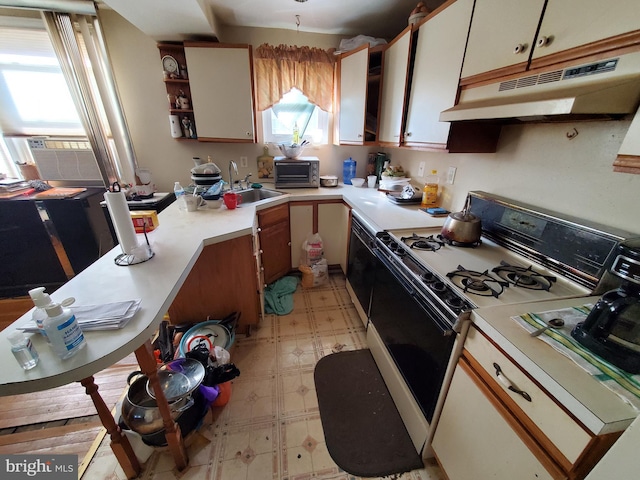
(399, 276)
(422, 303)
(366, 242)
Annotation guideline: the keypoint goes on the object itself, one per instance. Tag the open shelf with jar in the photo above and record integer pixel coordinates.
(176, 79)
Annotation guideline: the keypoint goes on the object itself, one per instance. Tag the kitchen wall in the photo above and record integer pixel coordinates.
(535, 163)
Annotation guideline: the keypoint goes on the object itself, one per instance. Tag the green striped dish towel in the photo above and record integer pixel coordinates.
(625, 385)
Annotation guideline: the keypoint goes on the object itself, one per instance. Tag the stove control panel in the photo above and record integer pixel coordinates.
(439, 294)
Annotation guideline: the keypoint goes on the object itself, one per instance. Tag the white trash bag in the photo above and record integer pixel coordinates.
(312, 250)
(316, 275)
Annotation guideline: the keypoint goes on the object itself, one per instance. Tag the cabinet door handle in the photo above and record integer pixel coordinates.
(520, 48)
(289, 243)
(543, 41)
(261, 252)
(259, 229)
(507, 383)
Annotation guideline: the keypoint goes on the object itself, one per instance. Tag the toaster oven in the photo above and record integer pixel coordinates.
(303, 172)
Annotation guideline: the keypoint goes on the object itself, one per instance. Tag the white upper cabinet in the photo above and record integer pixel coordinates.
(222, 91)
(436, 71)
(353, 96)
(568, 24)
(502, 34)
(628, 160)
(394, 88)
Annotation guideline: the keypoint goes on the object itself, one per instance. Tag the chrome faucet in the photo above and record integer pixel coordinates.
(246, 182)
(232, 168)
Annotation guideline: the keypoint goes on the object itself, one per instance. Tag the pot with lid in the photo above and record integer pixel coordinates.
(462, 228)
(178, 380)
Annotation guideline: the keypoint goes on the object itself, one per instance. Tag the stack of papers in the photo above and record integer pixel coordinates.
(108, 316)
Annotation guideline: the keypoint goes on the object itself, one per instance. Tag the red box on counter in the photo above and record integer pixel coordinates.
(141, 218)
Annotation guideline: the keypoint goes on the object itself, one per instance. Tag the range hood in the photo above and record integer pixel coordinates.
(604, 87)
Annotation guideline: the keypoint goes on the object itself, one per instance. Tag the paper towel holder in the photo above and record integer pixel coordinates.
(139, 254)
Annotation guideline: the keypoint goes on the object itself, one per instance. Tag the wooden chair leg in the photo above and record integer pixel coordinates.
(119, 443)
(148, 365)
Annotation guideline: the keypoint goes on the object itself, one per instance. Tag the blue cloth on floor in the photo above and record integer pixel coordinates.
(278, 297)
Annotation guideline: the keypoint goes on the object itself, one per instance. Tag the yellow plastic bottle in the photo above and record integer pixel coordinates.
(430, 190)
(296, 134)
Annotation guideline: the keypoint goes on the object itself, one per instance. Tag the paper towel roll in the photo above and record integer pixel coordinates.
(176, 130)
(121, 218)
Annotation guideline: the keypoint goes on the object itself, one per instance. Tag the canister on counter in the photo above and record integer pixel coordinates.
(349, 171)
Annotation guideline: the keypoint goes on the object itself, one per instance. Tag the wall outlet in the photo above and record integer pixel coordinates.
(243, 162)
(451, 175)
(421, 169)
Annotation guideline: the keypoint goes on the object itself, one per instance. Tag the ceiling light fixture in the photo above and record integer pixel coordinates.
(300, 1)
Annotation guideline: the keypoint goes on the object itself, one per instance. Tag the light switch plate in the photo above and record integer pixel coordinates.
(451, 175)
(243, 162)
(421, 169)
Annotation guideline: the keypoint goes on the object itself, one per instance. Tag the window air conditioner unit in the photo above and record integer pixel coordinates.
(65, 162)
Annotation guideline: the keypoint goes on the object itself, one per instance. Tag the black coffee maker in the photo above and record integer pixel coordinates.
(612, 329)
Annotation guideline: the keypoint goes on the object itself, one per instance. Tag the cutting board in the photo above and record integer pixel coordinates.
(60, 192)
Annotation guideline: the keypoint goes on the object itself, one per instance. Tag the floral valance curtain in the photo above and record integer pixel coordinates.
(279, 69)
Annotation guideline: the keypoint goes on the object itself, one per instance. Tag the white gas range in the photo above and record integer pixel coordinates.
(484, 275)
(424, 289)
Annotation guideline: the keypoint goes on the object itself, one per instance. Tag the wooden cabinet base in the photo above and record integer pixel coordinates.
(222, 281)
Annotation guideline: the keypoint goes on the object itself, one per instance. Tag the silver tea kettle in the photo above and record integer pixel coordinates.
(463, 227)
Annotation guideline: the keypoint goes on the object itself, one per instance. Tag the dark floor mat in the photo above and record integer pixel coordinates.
(363, 430)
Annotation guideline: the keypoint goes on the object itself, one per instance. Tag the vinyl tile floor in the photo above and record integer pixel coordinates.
(271, 428)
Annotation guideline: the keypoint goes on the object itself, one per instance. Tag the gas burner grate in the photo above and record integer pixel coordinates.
(459, 244)
(478, 283)
(524, 277)
(419, 242)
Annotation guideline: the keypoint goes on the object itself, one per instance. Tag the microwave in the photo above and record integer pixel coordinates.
(303, 172)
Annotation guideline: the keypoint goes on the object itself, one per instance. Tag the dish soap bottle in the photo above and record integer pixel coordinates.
(63, 331)
(41, 300)
(296, 134)
(430, 190)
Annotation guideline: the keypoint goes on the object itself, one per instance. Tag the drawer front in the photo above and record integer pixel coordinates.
(560, 428)
(466, 450)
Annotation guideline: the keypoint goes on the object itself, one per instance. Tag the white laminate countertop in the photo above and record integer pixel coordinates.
(177, 243)
(597, 407)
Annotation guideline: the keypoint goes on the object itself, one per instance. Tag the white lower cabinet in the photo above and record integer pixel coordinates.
(333, 226)
(301, 224)
(330, 219)
(498, 422)
(477, 438)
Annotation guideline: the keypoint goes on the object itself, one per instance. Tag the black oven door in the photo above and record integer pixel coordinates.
(413, 333)
(362, 263)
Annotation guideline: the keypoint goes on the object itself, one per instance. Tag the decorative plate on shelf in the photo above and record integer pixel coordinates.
(169, 64)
